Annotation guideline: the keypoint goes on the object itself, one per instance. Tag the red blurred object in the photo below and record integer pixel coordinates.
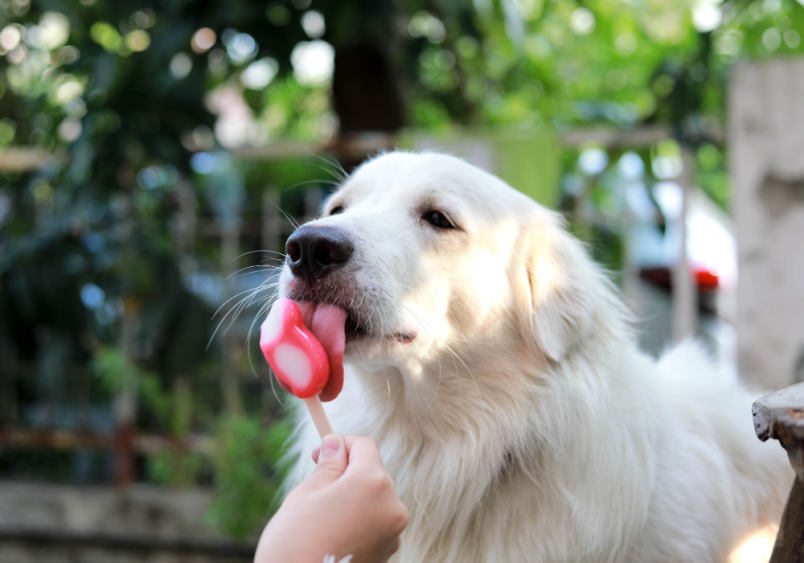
(706, 280)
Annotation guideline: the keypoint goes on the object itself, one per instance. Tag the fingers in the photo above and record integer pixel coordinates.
(332, 460)
(363, 457)
(365, 450)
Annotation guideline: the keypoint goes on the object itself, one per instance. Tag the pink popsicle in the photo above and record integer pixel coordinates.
(297, 357)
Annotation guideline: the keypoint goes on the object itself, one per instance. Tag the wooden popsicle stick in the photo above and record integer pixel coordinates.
(319, 416)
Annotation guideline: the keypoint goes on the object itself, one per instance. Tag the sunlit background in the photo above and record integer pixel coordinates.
(154, 156)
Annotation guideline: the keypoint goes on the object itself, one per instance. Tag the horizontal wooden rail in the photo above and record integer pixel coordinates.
(67, 440)
(360, 146)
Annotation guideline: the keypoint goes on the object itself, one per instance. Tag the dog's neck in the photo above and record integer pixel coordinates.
(463, 441)
(450, 446)
(442, 399)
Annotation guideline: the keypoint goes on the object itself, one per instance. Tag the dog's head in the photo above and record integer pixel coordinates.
(435, 260)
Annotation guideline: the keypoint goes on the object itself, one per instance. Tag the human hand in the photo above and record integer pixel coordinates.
(347, 506)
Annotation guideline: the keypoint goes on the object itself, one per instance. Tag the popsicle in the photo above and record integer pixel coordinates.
(301, 363)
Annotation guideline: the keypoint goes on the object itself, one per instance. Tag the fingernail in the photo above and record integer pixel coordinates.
(330, 446)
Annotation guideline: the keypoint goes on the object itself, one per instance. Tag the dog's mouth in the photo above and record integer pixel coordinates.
(358, 325)
(310, 303)
(353, 330)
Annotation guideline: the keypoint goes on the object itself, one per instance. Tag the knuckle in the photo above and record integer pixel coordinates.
(366, 440)
(379, 482)
(367, 443)
(395, 546)
(401, 518)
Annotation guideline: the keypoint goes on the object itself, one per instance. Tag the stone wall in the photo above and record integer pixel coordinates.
(53, 524)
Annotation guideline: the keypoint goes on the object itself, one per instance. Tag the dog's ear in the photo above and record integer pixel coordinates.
(558, 280)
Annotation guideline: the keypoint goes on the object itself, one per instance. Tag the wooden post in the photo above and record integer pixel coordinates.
(124, 404)
(125, 401)
(780, 416)
(184, 231)
(124, 454)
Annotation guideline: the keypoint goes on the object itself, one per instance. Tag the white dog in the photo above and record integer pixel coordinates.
(492, 361)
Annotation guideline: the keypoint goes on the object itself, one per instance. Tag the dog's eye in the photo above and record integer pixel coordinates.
(438, 219)
(336, 210)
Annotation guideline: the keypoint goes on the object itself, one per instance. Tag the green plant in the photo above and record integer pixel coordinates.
(248, 473)
(245, 455)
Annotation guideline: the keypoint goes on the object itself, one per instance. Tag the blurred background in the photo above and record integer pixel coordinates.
(154, 156)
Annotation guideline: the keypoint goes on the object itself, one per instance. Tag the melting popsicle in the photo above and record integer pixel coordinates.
(302, 364)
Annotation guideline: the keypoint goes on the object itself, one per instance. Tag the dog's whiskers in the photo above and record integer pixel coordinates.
(290, 219)
(317, 181)
(269, 301)
(261, 252)
(245, 271)
(339, 173)
(252, 296)
(382, 325)
(237, 308)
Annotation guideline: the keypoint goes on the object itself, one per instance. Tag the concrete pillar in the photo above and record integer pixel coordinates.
(766, 140)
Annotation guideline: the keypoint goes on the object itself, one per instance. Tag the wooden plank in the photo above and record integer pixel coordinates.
(349, 147)
(65, 440)
(24, 159)
(611, 138)
(359, 146)
(780, 416)
(791, 530)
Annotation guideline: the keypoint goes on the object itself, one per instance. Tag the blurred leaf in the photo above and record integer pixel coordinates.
(247, 477)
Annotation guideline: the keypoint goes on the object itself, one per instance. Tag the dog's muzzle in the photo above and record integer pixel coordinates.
(314, 252)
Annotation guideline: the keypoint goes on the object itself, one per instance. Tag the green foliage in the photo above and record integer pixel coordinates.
(119, 375)
(175, 467)
(245, 455)
(568, 62)
(248, 473)
(170, 408)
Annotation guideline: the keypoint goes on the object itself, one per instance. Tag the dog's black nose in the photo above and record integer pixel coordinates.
(313, 252)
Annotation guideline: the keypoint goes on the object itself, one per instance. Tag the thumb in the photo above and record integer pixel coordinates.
(331, 462)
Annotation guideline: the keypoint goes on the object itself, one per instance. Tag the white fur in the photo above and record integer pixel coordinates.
(522, 423)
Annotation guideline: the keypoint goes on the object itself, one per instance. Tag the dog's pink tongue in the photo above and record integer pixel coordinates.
(328, 324)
